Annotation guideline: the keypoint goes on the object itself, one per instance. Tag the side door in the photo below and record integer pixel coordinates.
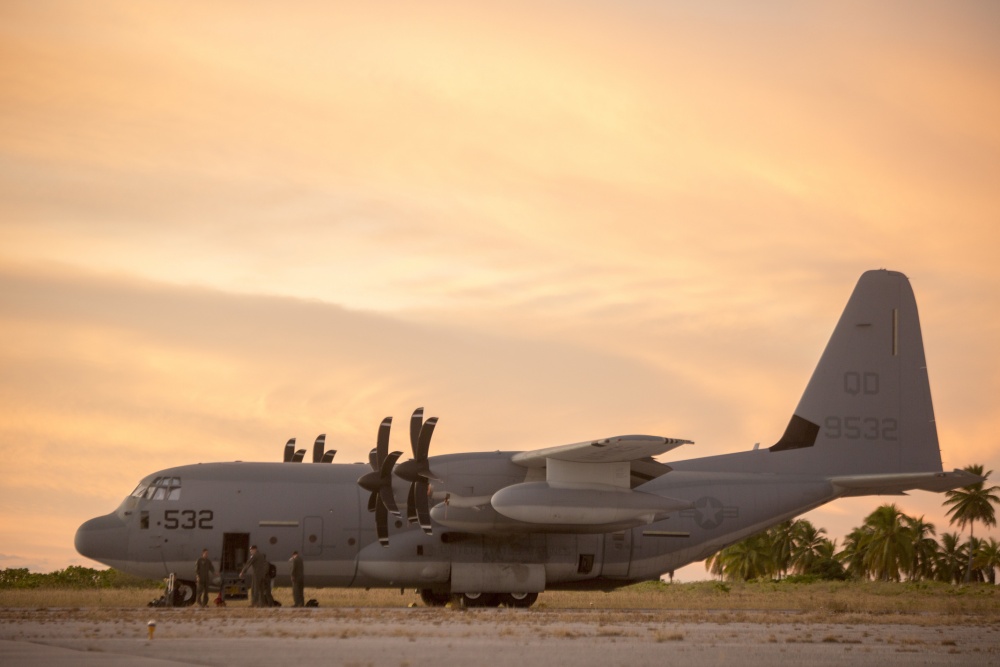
(617, 554)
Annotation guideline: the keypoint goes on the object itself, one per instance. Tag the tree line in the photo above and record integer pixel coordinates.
(73, 576)
(888, 546)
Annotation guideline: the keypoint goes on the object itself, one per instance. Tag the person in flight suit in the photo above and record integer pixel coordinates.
(257, 564)
(203, 571)
(298, 580)
(270, 572)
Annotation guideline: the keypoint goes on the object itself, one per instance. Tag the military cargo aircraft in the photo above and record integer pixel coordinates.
(500, 527)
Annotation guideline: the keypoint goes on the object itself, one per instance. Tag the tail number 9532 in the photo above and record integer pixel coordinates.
(861, 428)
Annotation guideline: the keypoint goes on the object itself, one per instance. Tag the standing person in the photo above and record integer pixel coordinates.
(203, 571)
(298, 580)
(270, 572)
(257, 564)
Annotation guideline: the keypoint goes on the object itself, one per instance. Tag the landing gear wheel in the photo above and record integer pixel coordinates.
(183, 593)
(518, 599)
(479, 600)
(433, 598)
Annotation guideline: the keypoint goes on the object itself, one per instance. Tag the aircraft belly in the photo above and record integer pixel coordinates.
(498, 577)
(412, 558)
(523, 563)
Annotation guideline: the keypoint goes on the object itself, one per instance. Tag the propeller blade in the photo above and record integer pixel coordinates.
(298, 456)
(386, 470)
(385, 482)
(411, 506)
(416, 423)
(318, 448)
(289, 450)
(372, 501)
(382, 445)
(386, 500)
(424, 444)
(328, 457)
(421, 494)
(382, 524)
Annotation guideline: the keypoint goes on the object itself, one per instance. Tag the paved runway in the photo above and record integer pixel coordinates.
(500, 638)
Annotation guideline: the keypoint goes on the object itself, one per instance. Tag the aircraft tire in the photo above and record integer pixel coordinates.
(522, 600)
(432, 598)
(479, 600)
(184, 592)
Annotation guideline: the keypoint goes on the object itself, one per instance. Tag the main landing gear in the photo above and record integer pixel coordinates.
(433, 598)
(184, 592)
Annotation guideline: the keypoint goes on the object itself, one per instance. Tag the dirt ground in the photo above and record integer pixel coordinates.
(497, 637)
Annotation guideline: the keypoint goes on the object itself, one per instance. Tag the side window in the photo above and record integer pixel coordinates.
(144, 520)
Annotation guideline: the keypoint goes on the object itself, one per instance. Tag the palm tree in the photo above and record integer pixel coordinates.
(782, 543)
(853, 554)
(974, 573)
(889, 549)
(987, 559)
(807, 542)
(973, 503)
(925, 548)
(746, 560)
(714, 564)
(950, 557)
(826, 564)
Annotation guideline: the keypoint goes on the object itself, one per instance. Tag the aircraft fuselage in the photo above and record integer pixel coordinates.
(320, 511)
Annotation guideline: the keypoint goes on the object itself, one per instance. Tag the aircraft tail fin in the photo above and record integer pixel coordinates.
(867, 408)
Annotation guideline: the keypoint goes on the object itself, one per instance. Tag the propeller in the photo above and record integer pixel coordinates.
(318, 455)
(379, 481)
(417, 470)
(293, 455)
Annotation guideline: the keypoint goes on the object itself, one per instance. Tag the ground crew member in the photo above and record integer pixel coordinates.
(203, 571)
(257, 564)
(298, 580)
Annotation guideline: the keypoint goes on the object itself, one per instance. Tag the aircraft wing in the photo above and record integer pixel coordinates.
(899, 483)
(587, 488)
(618, 449)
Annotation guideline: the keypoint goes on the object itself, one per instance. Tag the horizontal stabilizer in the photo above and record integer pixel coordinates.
(896, 483)
(608, 450)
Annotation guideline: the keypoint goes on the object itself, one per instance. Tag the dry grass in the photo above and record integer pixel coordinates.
(816, 602)
(820, 597)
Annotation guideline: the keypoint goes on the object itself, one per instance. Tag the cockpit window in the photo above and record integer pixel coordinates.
(161, 488)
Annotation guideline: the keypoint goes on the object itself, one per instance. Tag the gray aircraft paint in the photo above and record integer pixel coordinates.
(864, 425)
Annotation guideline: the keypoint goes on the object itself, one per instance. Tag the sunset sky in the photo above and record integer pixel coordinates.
(226, 224)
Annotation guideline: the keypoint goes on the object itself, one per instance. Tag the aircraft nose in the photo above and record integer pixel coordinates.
(104, 539)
